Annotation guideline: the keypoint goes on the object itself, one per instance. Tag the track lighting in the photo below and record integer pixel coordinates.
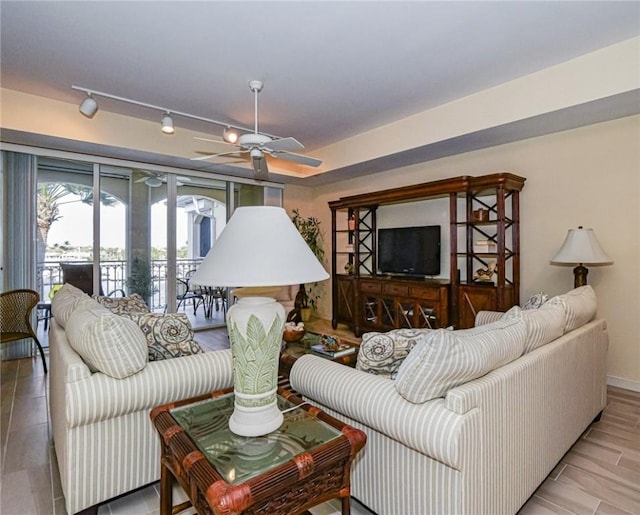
(230, 135)
(89, 106)
(167, 124)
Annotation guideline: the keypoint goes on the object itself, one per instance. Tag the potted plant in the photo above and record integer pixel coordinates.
(140, 280)
(309, 228)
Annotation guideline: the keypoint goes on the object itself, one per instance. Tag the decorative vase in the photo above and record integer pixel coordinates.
(255, 327)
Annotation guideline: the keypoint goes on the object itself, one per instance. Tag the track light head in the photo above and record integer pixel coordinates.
(230, 135)
(89, 106)
(167, 124)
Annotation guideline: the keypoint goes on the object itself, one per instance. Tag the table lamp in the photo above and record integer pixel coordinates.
(581, 248)
(259, 246)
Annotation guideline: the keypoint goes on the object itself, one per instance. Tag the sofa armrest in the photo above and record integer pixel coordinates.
(486, 317)
(100, 397)
(429, 428)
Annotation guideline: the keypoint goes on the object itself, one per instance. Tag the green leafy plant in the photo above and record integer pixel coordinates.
(310, 230)
(141, 281)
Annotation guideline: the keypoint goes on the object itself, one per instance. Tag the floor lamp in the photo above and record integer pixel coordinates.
(581, 248)
(259, 246)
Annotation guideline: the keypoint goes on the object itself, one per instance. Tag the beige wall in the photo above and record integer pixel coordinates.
(588, 176)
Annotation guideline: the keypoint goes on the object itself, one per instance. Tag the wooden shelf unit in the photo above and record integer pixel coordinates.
(368, 301)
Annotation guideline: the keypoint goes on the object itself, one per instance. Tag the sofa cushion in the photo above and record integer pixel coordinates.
(107, 343)
(543, 325)
(444, 359)
(167, 335)
(64, 302)
(383, 353)
(133, 304)
(580, 306)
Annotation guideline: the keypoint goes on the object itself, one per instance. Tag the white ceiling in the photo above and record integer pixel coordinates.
(331, 69)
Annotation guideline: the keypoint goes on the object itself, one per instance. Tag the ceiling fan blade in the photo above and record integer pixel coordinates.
(223, 154)
(298, 158)
(219, 142)
(260, 167)
(281, 144)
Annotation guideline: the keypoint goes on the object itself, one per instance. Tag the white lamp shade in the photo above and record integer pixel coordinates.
(581, 247)
(259, 246)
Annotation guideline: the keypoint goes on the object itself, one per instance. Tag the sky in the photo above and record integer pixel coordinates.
(76, 226)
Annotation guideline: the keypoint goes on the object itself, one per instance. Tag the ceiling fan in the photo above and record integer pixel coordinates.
(155, 180)
(256, 145)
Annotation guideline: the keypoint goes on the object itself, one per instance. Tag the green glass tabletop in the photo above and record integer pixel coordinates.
(238, 458)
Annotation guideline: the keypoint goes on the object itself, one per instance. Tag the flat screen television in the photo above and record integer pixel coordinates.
(409, 250)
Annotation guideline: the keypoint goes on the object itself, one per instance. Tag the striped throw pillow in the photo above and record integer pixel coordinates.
(580, 306)
(543, 325)
(106, 342)
(65, 301)
(444, 359)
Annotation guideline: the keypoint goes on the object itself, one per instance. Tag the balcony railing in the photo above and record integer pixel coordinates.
(113, 277)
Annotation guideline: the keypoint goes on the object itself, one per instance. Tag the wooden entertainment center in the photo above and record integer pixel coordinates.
(484, 233)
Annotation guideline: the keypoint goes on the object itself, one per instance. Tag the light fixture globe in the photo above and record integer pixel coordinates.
(230, 135)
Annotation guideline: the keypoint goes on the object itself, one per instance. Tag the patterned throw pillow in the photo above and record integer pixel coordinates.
(131, 305)
(535, 301)
(383, 353)
(168, 335)
(445, 359)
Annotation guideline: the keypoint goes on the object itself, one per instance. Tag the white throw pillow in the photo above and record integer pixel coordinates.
(64, 302)
(444, 359)
(580, 306)
(543, 325)
(106, 342)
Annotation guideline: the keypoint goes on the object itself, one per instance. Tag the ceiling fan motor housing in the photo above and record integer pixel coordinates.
(253, 140)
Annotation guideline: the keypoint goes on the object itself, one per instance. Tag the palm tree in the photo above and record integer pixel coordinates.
(48, 210)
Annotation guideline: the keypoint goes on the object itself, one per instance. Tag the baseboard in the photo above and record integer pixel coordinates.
(621, 382)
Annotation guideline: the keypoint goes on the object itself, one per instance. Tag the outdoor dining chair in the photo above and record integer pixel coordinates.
(15, 317)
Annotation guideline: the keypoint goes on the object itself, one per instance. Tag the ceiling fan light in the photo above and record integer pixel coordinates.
(89, 106)
(167, 124)
(153, 182)
(230, 135)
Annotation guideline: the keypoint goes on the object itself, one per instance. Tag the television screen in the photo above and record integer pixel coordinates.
(409, 250)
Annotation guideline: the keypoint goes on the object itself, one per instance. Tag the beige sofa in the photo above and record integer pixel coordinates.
(104, 441)
(484, 445)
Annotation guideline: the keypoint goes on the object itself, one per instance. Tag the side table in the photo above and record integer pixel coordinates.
(307, 461)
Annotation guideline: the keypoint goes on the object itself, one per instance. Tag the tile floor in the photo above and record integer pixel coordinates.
(600, 475)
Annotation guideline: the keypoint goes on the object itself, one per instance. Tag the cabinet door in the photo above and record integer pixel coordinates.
(474, 298)
(345, 311)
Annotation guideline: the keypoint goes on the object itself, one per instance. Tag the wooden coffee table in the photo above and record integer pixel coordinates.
(294, 350)
(307, 461)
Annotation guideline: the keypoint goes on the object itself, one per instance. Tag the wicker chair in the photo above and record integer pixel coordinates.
(15, 317)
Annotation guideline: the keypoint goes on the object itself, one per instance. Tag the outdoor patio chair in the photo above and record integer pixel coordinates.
(15, 317)
(80, 275)
(185, 292)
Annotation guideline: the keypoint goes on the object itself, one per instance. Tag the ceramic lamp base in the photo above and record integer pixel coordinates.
(255, 326)
(255, 421)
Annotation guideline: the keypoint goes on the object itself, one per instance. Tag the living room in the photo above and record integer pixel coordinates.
(582, 172)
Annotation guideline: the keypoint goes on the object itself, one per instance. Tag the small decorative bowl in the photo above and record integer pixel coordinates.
(291, 336)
